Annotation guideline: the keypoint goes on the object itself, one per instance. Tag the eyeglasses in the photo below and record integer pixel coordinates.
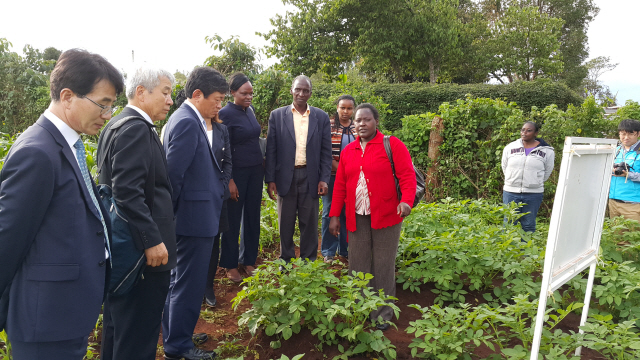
(103, 109)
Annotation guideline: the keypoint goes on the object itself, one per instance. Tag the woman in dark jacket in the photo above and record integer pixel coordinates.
(247, 178)
(365, 184)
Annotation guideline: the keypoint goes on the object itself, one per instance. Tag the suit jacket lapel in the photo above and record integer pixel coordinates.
(288, 122)
(66, 150)
(204, 133)
(313, 125)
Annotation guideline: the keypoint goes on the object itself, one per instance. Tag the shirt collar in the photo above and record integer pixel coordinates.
(144, 114)
(197, 112)
(293, 110)
(70, 135)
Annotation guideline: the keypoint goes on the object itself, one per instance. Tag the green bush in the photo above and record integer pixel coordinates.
(420, 98)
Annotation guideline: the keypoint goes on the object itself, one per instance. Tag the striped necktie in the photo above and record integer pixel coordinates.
(82, 162)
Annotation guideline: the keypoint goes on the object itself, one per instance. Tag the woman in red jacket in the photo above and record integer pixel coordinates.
(365, 184)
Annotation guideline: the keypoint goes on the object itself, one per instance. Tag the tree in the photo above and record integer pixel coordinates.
(236, 56)
(526, 45)
(577, 14)
(592, 85)
(24, 91)
(180, 77)
(403, 40)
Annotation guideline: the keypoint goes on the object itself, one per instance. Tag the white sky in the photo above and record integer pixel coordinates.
(170, 34)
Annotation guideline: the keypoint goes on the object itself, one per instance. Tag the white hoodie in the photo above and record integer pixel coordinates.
(526, 173)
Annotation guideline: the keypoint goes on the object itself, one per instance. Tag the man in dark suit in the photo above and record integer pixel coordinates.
(135, 168)
(53, 233)
(298, 168)
(195, 161)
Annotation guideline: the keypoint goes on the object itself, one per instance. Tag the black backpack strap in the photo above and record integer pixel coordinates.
(387, 148)
(150, 182)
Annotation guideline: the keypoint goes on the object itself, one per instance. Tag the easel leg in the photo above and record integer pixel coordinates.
(587, 301)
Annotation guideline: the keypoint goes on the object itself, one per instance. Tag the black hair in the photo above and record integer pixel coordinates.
(629, 125)
(345, 97)
(237, 80)
(302, 77)
(79, 71)
(536, 126)
(206, 79)
(371, 108)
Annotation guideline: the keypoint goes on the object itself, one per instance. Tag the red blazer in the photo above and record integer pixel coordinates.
(380, 182)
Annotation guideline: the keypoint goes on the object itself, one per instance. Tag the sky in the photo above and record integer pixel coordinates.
(171, 34)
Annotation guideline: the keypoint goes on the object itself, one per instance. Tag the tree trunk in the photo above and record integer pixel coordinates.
(435, 140)
(432, 72)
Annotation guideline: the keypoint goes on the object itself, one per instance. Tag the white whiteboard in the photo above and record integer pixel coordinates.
(578, 209)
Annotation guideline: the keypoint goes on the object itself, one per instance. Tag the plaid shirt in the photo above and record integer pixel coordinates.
(336, 137)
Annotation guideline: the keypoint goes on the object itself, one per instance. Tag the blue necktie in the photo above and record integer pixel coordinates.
(82, 162)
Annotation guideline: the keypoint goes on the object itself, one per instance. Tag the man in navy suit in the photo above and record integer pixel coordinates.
(298, 168)
(53, 237)
(196, 168)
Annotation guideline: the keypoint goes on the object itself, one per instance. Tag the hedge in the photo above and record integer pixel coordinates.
(420, 98)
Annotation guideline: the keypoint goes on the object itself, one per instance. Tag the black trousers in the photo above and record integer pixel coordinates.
(250, 182)
(298, 202)
(131, 323)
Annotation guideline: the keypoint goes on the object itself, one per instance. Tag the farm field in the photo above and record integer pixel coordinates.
(467, 289)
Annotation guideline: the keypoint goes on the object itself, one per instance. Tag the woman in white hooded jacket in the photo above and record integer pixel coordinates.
(526, 163)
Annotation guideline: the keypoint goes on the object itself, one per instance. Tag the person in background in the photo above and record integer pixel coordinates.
(624, 193)
(54, 239)
(248, 175)
(298, 168)
(343, 132)
(526, 163)
(365, 186)
(196, 160)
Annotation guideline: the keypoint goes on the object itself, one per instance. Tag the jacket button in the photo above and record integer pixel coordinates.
(222, 160)
(101, 263)
(100, 233)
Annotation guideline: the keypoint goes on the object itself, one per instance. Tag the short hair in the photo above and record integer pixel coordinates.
(147, 77)
(237, 80)
(206, 79)
(345, 97)
(372, 108)
(80, 70)
(302, 77)
(536, 126)
(629, 125)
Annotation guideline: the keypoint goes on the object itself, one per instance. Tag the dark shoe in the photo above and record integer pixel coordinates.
(193, 354)
(210, 301)
(234, 275)
(251, 270)
(199, 338)
(383, 326)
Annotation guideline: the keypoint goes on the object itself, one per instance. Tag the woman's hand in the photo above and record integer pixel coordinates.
(403, 209)
(233, 190)
(334, 225)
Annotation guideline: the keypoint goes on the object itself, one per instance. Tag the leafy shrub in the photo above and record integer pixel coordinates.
(421, 98)
(309, 294)
(614, 341)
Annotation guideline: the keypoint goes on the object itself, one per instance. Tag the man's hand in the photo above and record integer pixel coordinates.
(404, 209)
(323, 188)
(272, 190)
(334, 226)
(233, 190)
(157, 255)
(624, 173)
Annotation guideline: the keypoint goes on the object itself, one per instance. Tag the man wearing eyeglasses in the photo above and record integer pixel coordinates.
(54, 249)
(298, 168)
